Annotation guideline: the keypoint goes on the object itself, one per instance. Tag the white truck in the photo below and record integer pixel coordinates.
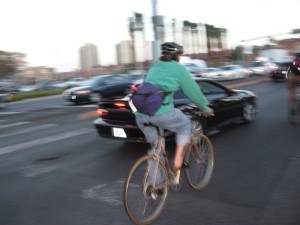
(276, 55)
(194, 66)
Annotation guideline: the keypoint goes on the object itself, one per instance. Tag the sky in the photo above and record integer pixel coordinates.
(50, 32)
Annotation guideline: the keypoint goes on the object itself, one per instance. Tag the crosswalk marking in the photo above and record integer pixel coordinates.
(44, 140)
(40, 127)
(14, 124)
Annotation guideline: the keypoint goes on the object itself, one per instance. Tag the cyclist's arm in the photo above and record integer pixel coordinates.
(192, 90)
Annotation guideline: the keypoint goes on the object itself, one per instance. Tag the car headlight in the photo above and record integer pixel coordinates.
(82, 92)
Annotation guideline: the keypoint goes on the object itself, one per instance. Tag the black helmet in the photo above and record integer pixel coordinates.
(171, 48)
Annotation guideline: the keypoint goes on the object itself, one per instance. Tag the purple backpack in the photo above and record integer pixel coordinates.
(148, 98)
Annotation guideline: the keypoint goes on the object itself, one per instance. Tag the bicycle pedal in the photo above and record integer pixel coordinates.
(185, 165)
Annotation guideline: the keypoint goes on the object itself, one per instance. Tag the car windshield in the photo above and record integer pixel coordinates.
(283, 64)
(92, 81)
(227, 67)
(212, 69)
(206, 87)
(106, 80)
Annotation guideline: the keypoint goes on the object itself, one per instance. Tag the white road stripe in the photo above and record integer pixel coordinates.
(14, 124)
(44, 140)
(9, 113)
(44, 126)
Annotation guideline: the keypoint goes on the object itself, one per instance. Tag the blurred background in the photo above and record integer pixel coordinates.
(55, 41)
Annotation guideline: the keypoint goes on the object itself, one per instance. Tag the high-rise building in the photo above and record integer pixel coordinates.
(125, 52)
(88, 56)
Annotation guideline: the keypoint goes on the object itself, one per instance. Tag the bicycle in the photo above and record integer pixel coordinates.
(145, 193)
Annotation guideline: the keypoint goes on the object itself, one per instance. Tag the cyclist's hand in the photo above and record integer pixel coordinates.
(208, 113)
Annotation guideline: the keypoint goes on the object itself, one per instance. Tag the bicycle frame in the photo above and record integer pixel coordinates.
(159, 148)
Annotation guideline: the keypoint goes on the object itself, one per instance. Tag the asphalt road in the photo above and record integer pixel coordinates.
(54, 169)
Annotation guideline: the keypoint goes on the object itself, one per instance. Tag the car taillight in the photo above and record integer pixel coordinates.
(120, 105)
(101, 112)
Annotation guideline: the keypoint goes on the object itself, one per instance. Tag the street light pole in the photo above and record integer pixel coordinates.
(156, 44)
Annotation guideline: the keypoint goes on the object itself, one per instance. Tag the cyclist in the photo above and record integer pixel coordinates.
(293, 81)
(170, 75)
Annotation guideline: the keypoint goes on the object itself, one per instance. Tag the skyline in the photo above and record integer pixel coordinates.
(50, 33)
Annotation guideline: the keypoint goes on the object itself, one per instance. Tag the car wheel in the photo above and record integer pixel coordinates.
(249, 112)
(95, 97)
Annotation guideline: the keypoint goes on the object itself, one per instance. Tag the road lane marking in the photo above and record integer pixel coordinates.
(45, 140)
(14, 124)
(44, 126)
(88, 115)
(9, 113)
(248, 83)
(108, 193)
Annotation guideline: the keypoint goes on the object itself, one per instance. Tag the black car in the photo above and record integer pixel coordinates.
(98, 88)
(230, 106)
(280, 74)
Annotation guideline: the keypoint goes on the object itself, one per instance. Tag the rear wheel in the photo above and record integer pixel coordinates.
(200, 162)
(144, 199)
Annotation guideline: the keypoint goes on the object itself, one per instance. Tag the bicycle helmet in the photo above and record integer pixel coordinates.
(171, 48)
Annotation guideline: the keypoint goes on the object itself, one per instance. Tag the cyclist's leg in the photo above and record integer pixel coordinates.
(178, 122)
(151, 135)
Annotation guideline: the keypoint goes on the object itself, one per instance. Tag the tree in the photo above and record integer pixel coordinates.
(8, 64)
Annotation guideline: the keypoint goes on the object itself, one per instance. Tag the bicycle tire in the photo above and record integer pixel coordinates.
(139, 202)
(200, 161)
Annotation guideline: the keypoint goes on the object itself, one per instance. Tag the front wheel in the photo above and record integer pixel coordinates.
(249, 112)
(145, 193)
(200, 162)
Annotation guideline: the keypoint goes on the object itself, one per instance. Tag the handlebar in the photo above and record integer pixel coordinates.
(192, 111)
(196, 116)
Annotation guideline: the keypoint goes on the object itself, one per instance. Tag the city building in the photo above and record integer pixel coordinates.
(125, 52)
(88, 56)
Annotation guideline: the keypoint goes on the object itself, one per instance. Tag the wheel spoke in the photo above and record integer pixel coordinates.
(200, 158)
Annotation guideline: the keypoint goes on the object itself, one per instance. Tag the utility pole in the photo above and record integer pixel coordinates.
(157, 23)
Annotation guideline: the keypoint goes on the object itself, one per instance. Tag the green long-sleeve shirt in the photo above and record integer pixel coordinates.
(172, 76)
